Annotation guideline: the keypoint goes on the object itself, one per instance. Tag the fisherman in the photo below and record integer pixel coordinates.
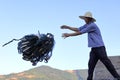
(95, 41)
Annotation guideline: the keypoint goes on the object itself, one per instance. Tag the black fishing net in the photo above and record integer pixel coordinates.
(35, 48)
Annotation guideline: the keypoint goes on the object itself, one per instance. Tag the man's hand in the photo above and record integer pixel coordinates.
(65, 35)
(64, 27)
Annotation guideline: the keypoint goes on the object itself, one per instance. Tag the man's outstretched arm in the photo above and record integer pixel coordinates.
(70, 28)
(65, 35)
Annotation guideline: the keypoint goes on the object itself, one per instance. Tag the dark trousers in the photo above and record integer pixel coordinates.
(99, 53)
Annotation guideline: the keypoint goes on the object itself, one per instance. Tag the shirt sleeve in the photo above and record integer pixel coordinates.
(87, 28)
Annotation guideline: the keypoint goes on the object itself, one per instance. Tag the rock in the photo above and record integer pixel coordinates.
(101, 72)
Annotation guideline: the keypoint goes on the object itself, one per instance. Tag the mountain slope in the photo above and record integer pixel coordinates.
(41, 73)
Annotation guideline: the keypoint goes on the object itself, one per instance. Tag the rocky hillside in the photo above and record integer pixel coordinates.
(46, 73)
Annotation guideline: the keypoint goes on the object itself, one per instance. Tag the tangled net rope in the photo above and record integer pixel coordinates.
(35, 48)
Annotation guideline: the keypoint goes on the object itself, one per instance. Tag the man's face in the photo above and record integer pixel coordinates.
(86, 20)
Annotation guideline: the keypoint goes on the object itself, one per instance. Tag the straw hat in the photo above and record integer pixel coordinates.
(87, 15)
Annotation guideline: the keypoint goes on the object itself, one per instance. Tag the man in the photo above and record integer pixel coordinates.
(95, 41)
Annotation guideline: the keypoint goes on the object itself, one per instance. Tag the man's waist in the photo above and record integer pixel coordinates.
(98, 47)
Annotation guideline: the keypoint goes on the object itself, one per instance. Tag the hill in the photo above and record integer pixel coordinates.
(46, 73)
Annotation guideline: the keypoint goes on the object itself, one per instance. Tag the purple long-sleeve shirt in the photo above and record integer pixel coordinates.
(94, 34)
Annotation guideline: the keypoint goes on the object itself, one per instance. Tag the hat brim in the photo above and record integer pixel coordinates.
(83, 17)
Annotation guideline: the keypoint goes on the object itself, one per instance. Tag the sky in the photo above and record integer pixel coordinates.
(22, 17)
